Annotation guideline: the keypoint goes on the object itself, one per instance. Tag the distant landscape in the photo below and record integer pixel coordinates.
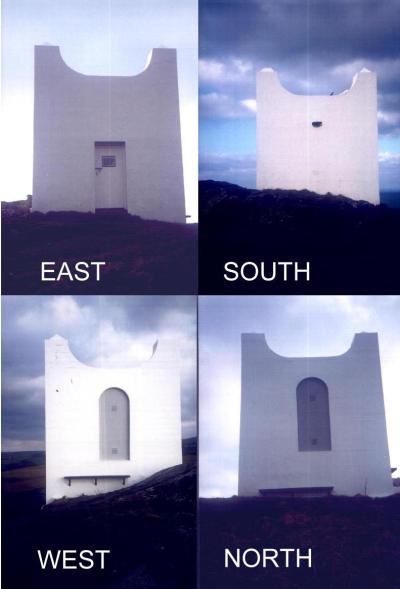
(391, 199)
(141, 256)
(347, 242)
(150, 528)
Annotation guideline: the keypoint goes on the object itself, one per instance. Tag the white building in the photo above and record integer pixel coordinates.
(106, 428)
(104, 142)
(319, 143)
(312, 426)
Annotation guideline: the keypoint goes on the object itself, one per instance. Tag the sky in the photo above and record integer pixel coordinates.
(96, 37)
(107, 331)
(316, 46)
(293, 326)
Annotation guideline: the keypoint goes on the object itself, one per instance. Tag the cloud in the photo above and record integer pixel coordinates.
(58, 312)
(389, 122)
(224, 88)
(386, 69)
(387, 157)
(237, 169)
(355, 309)
(389, 169)
(230, 72)
(102, 331)
(217, 105)
(250, 103)
(315, 46)
(218, 421)
(332, 29)
(218, 474)
(28, 388)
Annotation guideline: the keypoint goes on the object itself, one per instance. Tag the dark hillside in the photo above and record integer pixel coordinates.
(355, 541)
(150, 528)
(142, 256)
(348, 243)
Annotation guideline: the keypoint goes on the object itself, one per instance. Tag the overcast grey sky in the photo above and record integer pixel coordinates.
(293, 326)
(316, 46)
(102, 331)
(103, 37)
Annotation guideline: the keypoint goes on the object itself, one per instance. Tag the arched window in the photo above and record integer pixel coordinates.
(114, 425)
(313, 415)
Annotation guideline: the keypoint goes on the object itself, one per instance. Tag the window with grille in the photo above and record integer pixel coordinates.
(108, 161)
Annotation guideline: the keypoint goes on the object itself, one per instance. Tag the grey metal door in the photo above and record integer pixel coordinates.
(110, 178)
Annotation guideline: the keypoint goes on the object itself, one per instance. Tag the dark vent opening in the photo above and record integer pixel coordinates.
(317, 123)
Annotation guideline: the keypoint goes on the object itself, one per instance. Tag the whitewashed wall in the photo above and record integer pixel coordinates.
(73, 390)
(73, 111)
(269, 457)
(340, 157)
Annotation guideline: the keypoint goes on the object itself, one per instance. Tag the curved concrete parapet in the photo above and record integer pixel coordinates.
(356, 460)
(50, 56)
(57, 349)
(81, 119)
(319, 143)
(362, 342)
(358, 81)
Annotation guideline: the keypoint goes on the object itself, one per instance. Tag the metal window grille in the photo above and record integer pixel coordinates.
(108, 161)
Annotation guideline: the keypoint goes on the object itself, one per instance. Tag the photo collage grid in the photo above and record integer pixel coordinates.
(200, 216)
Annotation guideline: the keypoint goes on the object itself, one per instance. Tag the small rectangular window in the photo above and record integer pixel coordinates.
(113, 407)
(108, 161)
(114, 450)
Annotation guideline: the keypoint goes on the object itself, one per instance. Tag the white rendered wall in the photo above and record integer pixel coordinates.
(72, 419)
(340, 157)
(269, 457)
(73, 111)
